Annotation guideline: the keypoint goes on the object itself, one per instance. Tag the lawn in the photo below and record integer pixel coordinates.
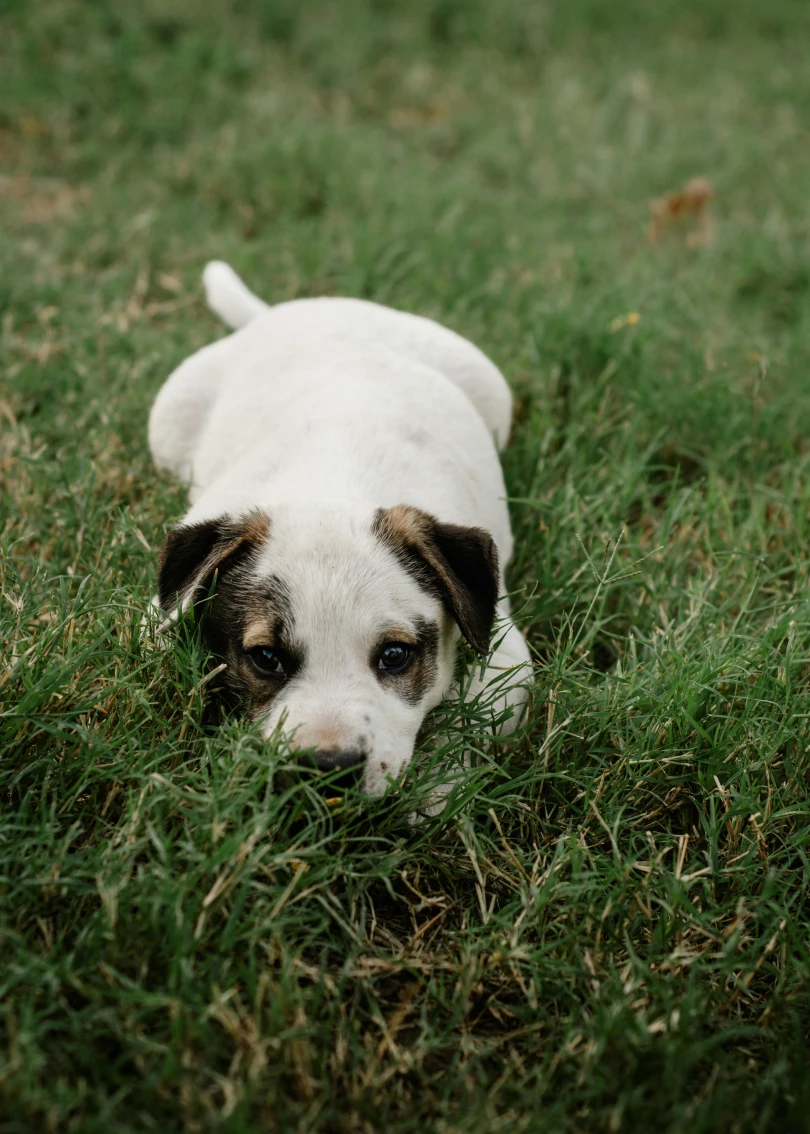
(607, 927)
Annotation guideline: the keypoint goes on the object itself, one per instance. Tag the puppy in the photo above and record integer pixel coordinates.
(347, 520)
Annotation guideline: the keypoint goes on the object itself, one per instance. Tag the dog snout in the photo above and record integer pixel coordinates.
(338, 759)
(348, 763)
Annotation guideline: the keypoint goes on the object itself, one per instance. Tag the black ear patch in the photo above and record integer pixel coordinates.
(470, 579)
(193, 552)
(458, 564)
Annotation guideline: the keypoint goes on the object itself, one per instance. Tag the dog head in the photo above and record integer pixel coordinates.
(339, 628)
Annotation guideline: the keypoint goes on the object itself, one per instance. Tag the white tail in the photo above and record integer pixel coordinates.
(228, 297)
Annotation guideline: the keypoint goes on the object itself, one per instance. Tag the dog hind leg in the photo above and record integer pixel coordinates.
(182, 407)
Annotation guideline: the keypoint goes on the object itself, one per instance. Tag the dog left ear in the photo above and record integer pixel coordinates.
(459, 564)
(193, 552)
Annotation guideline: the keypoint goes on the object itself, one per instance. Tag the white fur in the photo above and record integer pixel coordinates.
(321, 411)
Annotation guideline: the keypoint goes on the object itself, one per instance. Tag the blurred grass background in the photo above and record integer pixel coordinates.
(608, 929)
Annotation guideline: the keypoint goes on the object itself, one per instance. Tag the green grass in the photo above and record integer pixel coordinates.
(607, 929)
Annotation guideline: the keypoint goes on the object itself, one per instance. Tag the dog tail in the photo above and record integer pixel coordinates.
(228, 297)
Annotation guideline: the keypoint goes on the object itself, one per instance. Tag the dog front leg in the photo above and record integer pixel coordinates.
(501, 690)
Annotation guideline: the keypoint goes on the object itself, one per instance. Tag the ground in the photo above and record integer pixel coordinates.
(607, 927)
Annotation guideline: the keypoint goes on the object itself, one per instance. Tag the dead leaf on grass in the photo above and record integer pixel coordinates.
(42, 199)
(684, 212)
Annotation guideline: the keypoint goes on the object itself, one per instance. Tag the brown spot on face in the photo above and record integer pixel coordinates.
(418, 677)
(244, 614)
(403, 635)
(459, 565)
(260, 632)
(241, 612)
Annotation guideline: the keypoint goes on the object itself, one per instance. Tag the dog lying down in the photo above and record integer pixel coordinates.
(348, 520)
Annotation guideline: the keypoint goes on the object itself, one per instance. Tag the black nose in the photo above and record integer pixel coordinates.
(348, 762)
(332, 759)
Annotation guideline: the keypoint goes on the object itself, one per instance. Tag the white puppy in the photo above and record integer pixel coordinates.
(348, 519)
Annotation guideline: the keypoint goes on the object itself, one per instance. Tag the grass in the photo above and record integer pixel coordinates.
(607, 929)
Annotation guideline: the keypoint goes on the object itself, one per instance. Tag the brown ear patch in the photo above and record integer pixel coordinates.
(457, 564)
(193, 552)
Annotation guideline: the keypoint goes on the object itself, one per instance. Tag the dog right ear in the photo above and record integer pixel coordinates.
(459, 564)
(193, 552)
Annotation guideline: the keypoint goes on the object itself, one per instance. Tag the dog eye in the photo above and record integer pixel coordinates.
(267, 662)
(393, 657)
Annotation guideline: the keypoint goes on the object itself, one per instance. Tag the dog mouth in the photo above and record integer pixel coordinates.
(333, 786)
